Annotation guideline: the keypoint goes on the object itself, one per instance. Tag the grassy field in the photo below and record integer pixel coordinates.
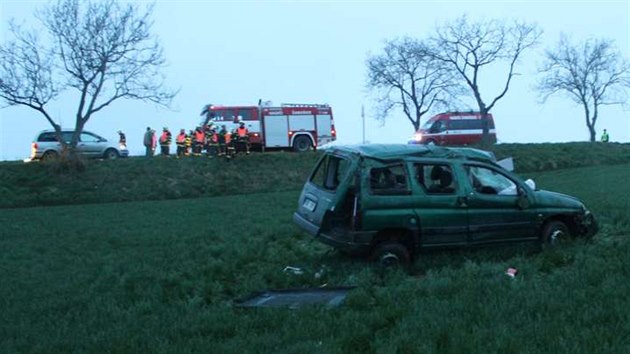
(140, 179)
(160, 276)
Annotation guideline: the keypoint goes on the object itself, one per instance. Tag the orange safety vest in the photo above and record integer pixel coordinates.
(228, 137)
(164, 138)
(242, 132)
(181, 138)
(199, 136)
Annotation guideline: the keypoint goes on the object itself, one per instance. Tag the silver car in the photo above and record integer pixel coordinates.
(46, 146)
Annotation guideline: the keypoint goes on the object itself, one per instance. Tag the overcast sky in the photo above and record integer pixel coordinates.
(235, 52)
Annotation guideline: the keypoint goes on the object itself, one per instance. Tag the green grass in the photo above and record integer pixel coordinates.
(138, 179)
(160, 276)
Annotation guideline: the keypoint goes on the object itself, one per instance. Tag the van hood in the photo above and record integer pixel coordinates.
(557, 200)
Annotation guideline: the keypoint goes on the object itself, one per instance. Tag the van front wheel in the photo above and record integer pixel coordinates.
(391, 254)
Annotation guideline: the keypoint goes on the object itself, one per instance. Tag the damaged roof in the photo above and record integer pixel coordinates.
(397, 151)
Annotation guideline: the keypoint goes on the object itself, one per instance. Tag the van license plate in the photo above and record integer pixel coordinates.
(309, 205)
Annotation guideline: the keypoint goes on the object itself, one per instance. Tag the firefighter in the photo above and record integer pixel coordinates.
(213, 145)
(165, 141)
(180, 141)
(198, 141)
(605, 136)
(229, 143)
(188, 143)
(221, 135)
(242, 136)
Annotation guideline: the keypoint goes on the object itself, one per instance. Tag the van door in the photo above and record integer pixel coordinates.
(494, 212)
(326, 202)
(440, 203)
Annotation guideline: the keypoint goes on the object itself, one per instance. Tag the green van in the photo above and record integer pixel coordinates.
(389, 201)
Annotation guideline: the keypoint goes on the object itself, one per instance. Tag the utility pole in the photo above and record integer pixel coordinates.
(363, 118)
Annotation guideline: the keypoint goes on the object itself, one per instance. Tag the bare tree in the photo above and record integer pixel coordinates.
(592, 74)
(468, 47)
(406, 76)
(102, 49)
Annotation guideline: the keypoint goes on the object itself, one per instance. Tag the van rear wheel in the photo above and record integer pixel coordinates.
(391, 254)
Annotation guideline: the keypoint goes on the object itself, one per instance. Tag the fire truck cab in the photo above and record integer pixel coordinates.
(297, 126)
(454, 128)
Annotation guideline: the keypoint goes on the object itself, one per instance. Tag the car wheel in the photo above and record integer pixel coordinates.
(49, 156)
(301, 143)
(391, 254)
(555, 233)
(110, 154)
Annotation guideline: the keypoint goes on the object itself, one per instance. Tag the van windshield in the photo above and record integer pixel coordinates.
(330, 172)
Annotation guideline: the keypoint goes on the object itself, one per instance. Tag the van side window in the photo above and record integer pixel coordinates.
(438, 127)
(486, 181)
(330, 172)
(435, 178)
(389, 180)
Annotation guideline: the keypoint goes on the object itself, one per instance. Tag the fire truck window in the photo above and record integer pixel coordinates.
(244, 114)
(223, 115)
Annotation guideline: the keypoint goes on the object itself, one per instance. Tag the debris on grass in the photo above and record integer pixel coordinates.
(511, 272)
(296, 298)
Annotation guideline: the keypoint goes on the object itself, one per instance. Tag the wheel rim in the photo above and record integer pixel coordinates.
(557, 236)
(302, 144)
(389, 259)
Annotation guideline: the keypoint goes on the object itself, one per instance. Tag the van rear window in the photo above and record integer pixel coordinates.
(330, 172)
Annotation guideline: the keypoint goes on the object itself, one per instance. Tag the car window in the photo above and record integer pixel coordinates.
(89, 138)
(435, 178)
(488, 181)
(330, 172)
(389, 180)
(47, 137)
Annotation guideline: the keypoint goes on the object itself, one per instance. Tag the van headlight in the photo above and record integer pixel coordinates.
(417, 137)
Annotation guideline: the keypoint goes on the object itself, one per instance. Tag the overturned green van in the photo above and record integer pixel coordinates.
(390, 201)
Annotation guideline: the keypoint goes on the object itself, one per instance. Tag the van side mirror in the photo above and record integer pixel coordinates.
(522, 201)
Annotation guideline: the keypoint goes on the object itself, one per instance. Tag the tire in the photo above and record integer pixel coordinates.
(50, 156)
(302, 143)
(110, 154)
(554, 234)
(390, 254)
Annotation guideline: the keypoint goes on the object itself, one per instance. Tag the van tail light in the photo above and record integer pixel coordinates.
(333, 132)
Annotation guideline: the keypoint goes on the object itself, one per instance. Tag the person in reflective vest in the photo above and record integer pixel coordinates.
(180, 141)
(198, 142)
(605, 136)
(188, 142)
(242, 138)
(229, 143)
(222, 133)
(165, 141)
(213, 143)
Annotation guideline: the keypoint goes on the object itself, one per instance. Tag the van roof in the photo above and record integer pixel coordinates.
(398, 151)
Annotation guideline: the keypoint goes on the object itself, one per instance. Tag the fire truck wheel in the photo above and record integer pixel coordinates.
(301, 143)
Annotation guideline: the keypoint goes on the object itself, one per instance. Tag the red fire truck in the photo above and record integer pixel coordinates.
(297, 126)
